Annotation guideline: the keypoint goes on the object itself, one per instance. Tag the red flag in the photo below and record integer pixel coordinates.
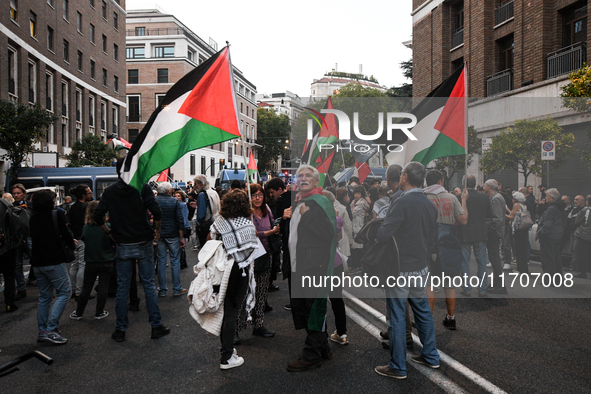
(164, 176)
(362, 170)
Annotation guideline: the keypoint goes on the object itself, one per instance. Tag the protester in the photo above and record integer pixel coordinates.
(208, 207)
(187, 231)
(99, 255)
(8, 250)
(19, 193)
(496, 232)
(518, 213)
(582, 247)
(76, 218)
(48, 260)
(412, 220)
(359, 208)
(550, 228)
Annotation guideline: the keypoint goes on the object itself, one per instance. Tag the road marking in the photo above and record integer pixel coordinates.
(444, 358)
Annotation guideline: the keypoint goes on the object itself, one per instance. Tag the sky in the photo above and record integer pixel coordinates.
(285, 45)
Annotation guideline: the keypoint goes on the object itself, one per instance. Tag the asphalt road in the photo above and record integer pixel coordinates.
(519, 345)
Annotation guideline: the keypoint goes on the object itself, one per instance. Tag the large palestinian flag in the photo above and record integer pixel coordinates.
(198, 111)
(441, 124)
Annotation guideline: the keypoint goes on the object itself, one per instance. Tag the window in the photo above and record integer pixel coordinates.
(241, 108)
(66, 51)
(247, 111)
(12, 71)
(104, 77)
(104, 9)
(92, 70)
(65, 101)
(164, 52)
(163, 75)
(49, 92)
(116, 20)
(103, 115)
(104, 43)
(133, 109)
(159, 99)
(140, 31)
(252, 113)
(135, 53)
(80, 59)
(212, 167)
(190, 55)
(33, 24)
(14, 10)
(79, 22)
(506, 49)
(32, 77)
(192, 164)
(50, 38)
(91, 111)
(78, 105)
(252, 133)
(65, 133)
(116, 52)
(92, 33)
(133, 76)
(203, 169)
(66, 9)
(133, 133)
(575, 24)
(116, 83)
(115, 112)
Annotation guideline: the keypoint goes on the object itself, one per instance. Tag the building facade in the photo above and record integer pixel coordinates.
(331, 82)
(515, 51)
(160, 50)
(67, 56)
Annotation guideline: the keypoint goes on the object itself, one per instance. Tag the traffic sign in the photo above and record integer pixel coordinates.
(486, 142)
(548, 150)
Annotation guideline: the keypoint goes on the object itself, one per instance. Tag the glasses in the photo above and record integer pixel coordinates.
(257, 196)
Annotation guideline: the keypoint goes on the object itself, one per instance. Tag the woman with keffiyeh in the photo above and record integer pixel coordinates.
(239, 237)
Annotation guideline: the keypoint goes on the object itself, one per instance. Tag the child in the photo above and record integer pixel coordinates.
(99, 255)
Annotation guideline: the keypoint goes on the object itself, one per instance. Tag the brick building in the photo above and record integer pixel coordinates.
(160, 50)
(67, 56)
(515, 51)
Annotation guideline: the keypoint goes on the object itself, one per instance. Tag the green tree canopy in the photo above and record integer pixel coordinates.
(519, 148)
(272, 132)
(453, 164)
(21, 127)
(404, 90)
(91, 151)
(576, 95)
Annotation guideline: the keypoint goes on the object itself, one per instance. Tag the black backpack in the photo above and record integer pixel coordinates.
(14, 223)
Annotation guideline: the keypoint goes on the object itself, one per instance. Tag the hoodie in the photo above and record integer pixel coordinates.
(552, 222)
(128, 212)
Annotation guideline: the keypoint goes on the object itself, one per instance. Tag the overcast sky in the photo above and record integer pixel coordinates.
(284, 45)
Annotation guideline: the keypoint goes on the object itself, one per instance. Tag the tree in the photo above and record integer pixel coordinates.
(91, 151)
(356, 89)
(453, 164)
(273, 131)
(21, 127)
(404, 90)
(519, 148)
(575, 95)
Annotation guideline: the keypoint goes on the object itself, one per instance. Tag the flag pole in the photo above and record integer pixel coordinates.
(466, 134)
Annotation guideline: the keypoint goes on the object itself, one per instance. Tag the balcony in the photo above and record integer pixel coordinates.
(134, 118)
(566, 60)
(499, 82)
(504, 12)
(157, 32)
(457, 37)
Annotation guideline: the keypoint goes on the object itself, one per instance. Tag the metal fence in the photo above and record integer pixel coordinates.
(499, 82)
(457, 38)
(566, 60)
(504, 12)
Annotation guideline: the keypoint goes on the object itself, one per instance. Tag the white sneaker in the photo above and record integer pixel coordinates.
(489, 265)
(340, 339)
(233, 362)
(507, 266)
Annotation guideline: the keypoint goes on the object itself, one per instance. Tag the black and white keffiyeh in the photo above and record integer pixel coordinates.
(239, 237)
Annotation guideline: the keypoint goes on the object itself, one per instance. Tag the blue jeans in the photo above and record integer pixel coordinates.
(172, 246)
(77, 268)
(479, 248)
(49, 278)
(417, 298)
(126, 256)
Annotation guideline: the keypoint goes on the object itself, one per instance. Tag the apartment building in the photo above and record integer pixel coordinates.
(160, 50)
(67, 56)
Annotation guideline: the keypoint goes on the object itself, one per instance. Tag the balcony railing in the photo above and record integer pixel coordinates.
(566, 60)
(157, 32)
(457, 37)
(499, 82)
(504, 12)
(134, 118)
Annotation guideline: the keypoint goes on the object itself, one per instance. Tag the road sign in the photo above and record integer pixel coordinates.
(486, 142)
(548, 150)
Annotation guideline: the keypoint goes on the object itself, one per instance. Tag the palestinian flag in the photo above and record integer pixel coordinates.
(198, 111)
(252, 168)
(328, 134)
(164, 176)
(441, 126)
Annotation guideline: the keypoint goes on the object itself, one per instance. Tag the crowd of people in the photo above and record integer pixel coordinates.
(294, 230)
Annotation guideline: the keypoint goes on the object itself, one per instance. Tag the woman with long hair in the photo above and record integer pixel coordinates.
(263, 222)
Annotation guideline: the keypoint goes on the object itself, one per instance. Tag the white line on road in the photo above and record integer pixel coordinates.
(444, 358)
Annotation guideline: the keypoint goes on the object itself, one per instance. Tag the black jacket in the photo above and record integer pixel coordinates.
(47, 247)
(128, 212)
(478, 207)
(381, 258)
(552, 222)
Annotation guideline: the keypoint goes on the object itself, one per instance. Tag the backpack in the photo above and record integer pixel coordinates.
(14, 223)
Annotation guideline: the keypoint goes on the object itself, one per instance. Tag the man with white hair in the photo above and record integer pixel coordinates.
(496, 232)
(208, 207)
(550, 229)
(171, 240)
